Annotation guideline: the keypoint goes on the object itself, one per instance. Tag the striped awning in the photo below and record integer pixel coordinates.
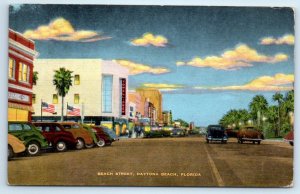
(20, 106)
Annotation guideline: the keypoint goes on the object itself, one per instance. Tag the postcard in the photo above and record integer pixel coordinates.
(127, 95)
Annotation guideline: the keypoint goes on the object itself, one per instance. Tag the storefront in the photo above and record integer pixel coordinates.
(21, 54)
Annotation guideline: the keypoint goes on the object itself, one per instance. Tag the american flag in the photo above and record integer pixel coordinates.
(48, 107)
(73, 111)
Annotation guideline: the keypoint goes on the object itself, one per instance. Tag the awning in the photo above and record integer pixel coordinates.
(20, 106)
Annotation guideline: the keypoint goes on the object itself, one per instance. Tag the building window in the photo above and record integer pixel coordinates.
(76, 80)
(23, 72)
(55, 99)
(76, 98)
(33, 98)
(11, 70)
(107, 81)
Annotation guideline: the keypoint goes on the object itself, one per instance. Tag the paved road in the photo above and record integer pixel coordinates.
(185, 161)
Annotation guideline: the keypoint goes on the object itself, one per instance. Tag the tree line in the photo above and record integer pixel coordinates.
(273, 120)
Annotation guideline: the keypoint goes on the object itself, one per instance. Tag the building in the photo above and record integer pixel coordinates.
(99, 90)
(154, 96)
(136, 107)
(167, 118)
(21, 55)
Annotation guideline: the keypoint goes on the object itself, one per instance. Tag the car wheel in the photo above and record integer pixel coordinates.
(291, 143)
(258, 142)
(80, 144)
(225, 141)
(241, 141)
(253, 142)
(101, 142)
(207, 141)
(33, 149)
(89, 145)
(10, 153)
(61, 146)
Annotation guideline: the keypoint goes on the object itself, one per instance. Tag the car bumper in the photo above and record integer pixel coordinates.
(217, 139)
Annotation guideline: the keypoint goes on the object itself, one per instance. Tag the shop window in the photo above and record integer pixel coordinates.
(55, 99)
(76, 98)
(12, 67)
(76, 79)
(33, 98)
(23, 72)
(107, 81)
(17, 114)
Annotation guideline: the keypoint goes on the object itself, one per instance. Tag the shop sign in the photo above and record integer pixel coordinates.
(18, 97)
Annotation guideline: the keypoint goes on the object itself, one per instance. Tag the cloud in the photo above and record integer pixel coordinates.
(150, 39)
(279, 82)
(137, 68)
(61, 29)
(239, 57)
(162, 86)
(288, 39)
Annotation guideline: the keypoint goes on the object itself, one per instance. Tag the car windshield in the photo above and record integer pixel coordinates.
(15, 127)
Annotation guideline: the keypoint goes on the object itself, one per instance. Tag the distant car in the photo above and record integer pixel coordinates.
(249, 134)
(33, 139)
(15, 146)
(177, 132)
(231, 132)
(290, 137)
(57, 136)
(216, 133)
(82, 136)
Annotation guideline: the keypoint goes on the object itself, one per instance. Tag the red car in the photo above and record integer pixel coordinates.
(103, 138)
(251, 134)
(57, 136)
(290, 138)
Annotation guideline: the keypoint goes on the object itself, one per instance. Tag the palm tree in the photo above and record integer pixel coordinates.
(62, 81)
(279, 98)
(35, 77)
(272, 117)
(258, 106)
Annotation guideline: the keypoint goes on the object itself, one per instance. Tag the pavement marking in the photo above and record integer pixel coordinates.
(214, 169)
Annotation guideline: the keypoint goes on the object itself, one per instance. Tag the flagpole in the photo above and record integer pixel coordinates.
(67, 112)
(41, 110)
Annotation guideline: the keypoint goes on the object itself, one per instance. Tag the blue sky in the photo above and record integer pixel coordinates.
(188, 33)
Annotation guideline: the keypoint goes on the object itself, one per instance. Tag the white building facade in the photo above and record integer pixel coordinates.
(99, 89)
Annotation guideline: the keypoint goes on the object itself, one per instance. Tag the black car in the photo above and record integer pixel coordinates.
(216, 133)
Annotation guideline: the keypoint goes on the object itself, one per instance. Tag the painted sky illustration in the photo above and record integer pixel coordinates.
(205, 60)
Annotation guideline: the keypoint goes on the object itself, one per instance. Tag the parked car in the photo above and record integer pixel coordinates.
(290, 137)
(57, 136)
(249, 134)
(15, 146)
(33, 139)
(216, 133)
(111, 133)
(231, 132)
(177, 132)
(102, 137)
(82, 136)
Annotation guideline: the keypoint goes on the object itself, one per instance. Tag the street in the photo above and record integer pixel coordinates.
(187, 161)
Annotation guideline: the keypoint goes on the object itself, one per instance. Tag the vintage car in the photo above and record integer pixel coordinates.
(177, 132)
(110, 133)
(102, 137)
(249, 134)
(82, 136)
(231, 133)
(57, 136)
(290, 137)
(33, 139)
(216, 133)
(15, 146)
